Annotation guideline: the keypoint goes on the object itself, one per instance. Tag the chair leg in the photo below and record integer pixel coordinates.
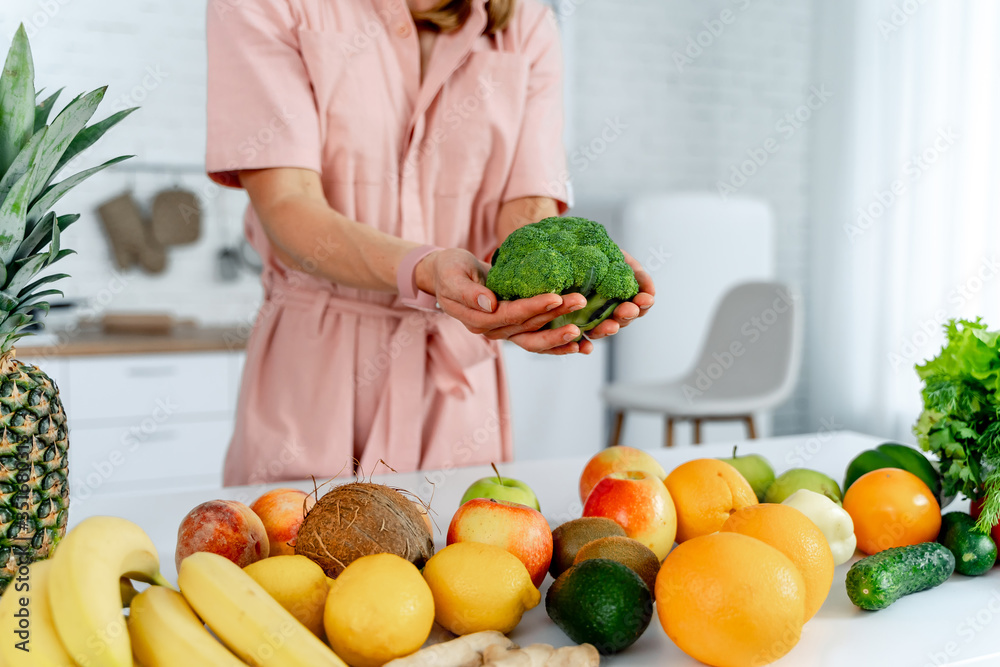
(697, 431)
(751, 431)
(616, 430)
(669, 432)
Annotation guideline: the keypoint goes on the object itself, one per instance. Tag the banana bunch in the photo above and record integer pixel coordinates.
(68, 610)
(246, 618)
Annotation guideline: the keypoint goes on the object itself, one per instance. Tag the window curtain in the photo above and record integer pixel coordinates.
(904, 190)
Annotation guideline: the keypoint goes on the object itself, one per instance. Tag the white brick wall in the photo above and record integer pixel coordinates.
(151, 53)
(689, 123)
(685, 125)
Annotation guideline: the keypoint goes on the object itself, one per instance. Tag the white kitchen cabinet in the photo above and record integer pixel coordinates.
(126, 386)
(151, 422)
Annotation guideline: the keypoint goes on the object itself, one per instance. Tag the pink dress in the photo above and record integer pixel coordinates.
(334, 373)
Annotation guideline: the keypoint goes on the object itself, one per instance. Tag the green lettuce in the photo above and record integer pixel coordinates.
(960, 422)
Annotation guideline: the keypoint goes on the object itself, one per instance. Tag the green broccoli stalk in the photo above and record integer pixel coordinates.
(564, 256)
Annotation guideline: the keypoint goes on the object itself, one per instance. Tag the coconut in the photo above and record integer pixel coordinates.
(361, 519)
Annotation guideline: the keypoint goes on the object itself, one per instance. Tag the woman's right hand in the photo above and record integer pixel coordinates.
(458, 279)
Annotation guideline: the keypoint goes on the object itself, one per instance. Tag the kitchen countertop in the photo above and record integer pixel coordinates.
(92, 340)
(957, 623)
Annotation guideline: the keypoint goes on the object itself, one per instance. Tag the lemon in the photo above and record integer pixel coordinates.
(297, 583)
(479, 587)
(379, 609)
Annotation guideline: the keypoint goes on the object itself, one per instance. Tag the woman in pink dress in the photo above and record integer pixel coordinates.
(387, 148)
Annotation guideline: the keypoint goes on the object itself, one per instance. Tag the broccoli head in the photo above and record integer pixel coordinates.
(564, 256)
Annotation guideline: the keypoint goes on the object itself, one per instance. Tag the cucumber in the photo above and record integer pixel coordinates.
(881, 579)
(975, 552)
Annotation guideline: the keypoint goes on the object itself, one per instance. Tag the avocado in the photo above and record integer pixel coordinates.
(600, 602)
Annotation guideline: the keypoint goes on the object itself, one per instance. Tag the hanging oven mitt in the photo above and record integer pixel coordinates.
(131, 242)
(176, 217)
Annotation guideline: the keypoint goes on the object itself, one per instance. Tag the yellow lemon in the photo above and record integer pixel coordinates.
(479, 587)
(297, 583)
(379, 609)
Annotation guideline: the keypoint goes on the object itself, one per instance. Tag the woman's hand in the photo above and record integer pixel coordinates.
(458, 278)
(627, 312)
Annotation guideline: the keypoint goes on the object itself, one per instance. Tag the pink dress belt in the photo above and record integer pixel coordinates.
(425, 346)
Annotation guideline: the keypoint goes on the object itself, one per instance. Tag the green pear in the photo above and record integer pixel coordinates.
(792, 480)
(755, 469)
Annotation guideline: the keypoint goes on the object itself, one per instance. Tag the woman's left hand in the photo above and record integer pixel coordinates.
(628, 312)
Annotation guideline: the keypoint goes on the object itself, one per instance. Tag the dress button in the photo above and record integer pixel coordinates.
(403, 30)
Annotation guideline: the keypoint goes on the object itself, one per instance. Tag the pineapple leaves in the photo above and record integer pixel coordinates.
(13, 216)
(21, 164)
(38, 296)
(38, 237)
(28, 270)
(67, 124)
(89, 135)
(54, 192)
(17, 99)
(44, 108)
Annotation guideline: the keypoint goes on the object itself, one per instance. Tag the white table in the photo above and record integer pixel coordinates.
(957, 623)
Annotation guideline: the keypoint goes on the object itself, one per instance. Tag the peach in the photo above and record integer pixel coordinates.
(223, 527)
(617, 459)
(640, 503)
(282, 512)
(519, 529)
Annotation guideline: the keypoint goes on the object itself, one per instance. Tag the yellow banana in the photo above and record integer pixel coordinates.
(85, 591)
(165, 632)
(248, 620)
(128, 591)
(27, 634)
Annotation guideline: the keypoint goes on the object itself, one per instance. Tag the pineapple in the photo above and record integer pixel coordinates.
(34, 493)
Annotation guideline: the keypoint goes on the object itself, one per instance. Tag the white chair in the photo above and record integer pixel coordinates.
(749, 362)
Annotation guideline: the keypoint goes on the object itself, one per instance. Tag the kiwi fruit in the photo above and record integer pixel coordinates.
(571, 536)
(633, 554)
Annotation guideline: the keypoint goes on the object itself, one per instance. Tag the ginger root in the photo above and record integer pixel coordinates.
(465, 651)
(542, 655)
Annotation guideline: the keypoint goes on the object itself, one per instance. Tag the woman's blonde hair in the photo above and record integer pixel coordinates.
(450, 15)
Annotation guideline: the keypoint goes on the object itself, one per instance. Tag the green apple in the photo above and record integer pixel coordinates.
(792, 480)
(755, 469)
(502, 488)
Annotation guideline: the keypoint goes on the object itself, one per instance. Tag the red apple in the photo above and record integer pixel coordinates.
(640, 503)
(223, 527)
(281, 512)
(519, 529)
(616, 459)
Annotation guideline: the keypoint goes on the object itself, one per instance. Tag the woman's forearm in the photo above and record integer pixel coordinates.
(524, 211)
(311, 237)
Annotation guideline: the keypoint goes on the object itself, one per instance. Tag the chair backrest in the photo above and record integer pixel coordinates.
(754, 344)
(696, 247)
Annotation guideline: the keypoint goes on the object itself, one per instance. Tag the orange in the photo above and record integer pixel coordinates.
(705, 493)
(730, 600)
(794, 534)
(892, 508)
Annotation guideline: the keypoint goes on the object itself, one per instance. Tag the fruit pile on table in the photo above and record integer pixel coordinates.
(351, 576)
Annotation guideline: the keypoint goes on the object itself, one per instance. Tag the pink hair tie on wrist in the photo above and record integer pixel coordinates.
(406, 281)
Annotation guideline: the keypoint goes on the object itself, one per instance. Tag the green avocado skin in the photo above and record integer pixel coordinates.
(894, 455)
(600, 602)
(877, 581)
(975, 552)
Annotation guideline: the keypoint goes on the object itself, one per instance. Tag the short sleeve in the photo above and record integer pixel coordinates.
(539, 166)
(261, 109)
